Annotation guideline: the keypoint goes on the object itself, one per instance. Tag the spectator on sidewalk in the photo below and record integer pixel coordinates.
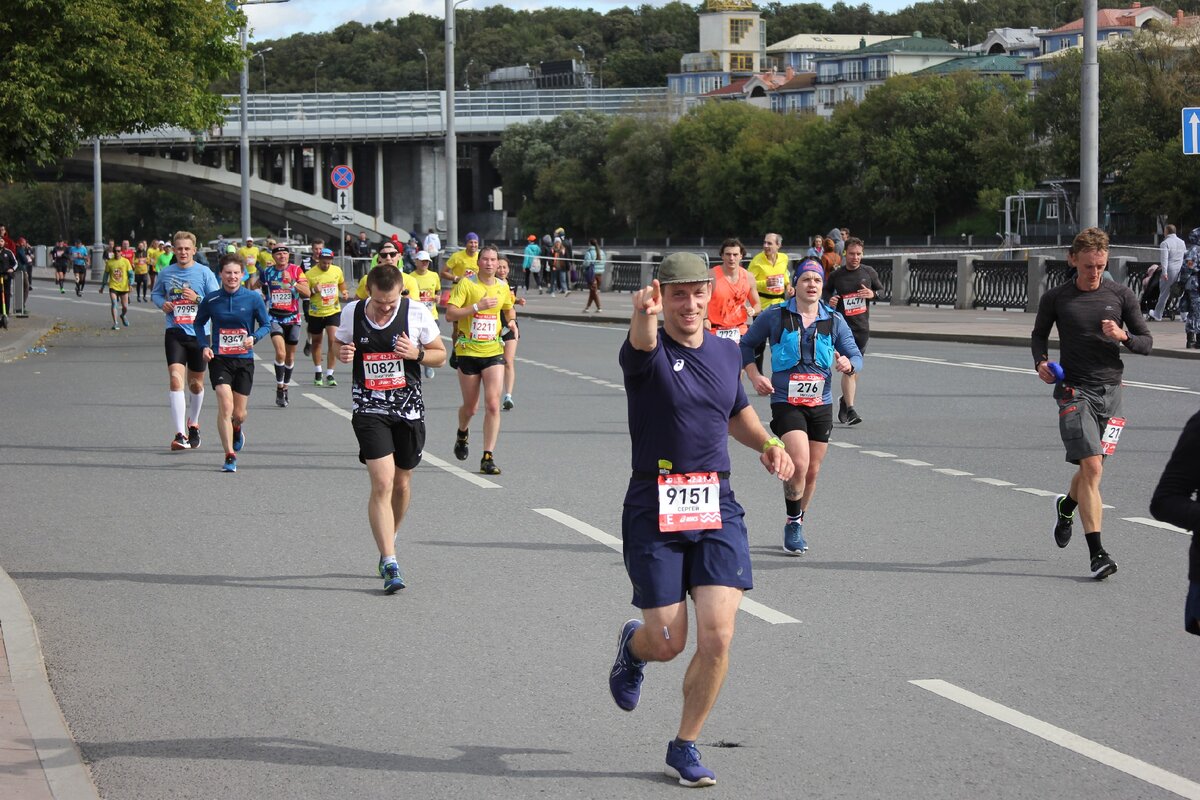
(593, 267)
(532, 262)
(1170, 255)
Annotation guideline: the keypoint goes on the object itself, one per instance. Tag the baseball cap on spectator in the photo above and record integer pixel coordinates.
(472, 236)
(423, 256)
(231, 249)
(326, 252)
(249, 239)
(531, 237)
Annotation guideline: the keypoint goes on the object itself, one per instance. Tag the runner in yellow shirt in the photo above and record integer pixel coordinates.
(141, 274)
(116, 281)
(465, 262)
(480, 308)
(248, 252)
(327, 287)
(770, 271)
(428, 285)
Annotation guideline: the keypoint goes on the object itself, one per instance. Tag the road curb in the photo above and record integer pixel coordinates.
(11, 351)
(66, 774)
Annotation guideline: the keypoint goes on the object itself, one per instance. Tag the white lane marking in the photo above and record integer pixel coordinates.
(751, 607)
(1153, 523)
(877, 453)
(588, 378)
(1157, 387)
(80, 301)
(1037, 492)
(847, 445)
(954, 473)
(1139, 769)
(993, 482)
(458, 472)
(620, 326)
(913, 462)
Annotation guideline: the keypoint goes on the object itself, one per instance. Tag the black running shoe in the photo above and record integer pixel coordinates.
(1062, 523)
(285, 397)
(1103, 565)
(193, 436)
(308, 348)
(852, 417)
(180, 442)
(842, 410)
(460, 448)
(279, 401)
(488, 466)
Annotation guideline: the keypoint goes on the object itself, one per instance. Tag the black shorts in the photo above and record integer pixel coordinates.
(816, 421)
(318, 324)
(60, 268)
(80, 269)
(237, 373)
(382, 435)
(184, 349)
(475, 365)
(861, 336)
(141, 279)
(118, 293)
(508, 335)
(290, 331)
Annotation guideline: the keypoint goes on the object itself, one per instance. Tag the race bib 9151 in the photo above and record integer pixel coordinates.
(689, 502)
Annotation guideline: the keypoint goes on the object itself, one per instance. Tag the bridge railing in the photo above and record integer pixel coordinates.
(305, 117)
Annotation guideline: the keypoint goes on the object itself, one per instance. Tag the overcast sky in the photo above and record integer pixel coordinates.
(275, 20)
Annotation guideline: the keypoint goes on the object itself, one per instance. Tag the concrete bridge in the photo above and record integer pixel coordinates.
(393, 141)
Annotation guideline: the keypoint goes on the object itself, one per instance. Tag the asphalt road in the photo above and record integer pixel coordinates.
(212, 635)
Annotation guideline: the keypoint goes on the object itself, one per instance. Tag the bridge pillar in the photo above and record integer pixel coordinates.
(318, 170)
(288, 154)
(379, 181)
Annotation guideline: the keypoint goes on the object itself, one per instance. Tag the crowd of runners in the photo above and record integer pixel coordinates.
(686, 379)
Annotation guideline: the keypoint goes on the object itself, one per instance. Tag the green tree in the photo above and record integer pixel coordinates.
(75, 69)
(638, 163)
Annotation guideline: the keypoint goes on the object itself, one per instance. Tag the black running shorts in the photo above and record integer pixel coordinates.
(237, 373)
(184, 349)
(816, 421)
(381, 435)
(318, 324)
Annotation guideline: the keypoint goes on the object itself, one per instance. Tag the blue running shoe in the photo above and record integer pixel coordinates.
(230, 464)
(239, 440)
(625, 680)
(392, 580)
(683, 763)
(793, 539)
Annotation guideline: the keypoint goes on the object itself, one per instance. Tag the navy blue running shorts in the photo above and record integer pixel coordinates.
(663, 567)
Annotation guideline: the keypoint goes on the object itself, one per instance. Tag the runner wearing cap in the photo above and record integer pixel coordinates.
(180, 288)
(808, 342)
(387, 338)
(1091, 315)
(283, 285)
(851, 287)
(734, 296)
(532, 262)
(327, 292)
(248, 252)
(239, 320)
(682, 530)
(770, 271)
(478, 307)
(389, 253)
(428, 285)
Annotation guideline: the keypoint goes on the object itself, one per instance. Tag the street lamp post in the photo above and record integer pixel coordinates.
(262, 56)
(244, 118)
(422, 54)
(316, 86)
(583, 57)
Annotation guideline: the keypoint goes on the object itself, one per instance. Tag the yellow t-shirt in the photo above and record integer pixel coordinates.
(770, 279)
(326, 297)
(479, 334)
(141, 264)
(249, 256)
(265, 259)
(410, 286)
(429, 286)
(116, 273)
(462, 265)
(154, 253)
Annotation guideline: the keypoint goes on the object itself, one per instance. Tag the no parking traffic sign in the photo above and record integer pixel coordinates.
(342, 177)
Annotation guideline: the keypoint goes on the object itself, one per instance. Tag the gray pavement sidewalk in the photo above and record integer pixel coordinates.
(38, 758)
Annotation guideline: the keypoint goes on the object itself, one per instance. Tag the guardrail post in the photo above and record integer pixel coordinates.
(1037, 282)
(965, 296)
(607, 278)
(901, 290)
(648, 267)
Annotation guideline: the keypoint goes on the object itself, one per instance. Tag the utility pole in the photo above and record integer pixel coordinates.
(1089, 122)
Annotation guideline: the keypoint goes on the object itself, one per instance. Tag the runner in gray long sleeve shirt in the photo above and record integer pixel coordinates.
(1092, 316)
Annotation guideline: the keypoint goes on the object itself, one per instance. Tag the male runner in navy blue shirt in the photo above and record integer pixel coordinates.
(682, 530)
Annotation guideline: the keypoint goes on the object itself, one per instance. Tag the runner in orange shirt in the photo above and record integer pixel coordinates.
(734, 294)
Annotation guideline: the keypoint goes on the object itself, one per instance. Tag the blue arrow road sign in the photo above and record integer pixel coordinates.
(342, 177)
(1191, 131)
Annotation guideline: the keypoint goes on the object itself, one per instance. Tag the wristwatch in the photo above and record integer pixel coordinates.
(420, 352)
(774, 441)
